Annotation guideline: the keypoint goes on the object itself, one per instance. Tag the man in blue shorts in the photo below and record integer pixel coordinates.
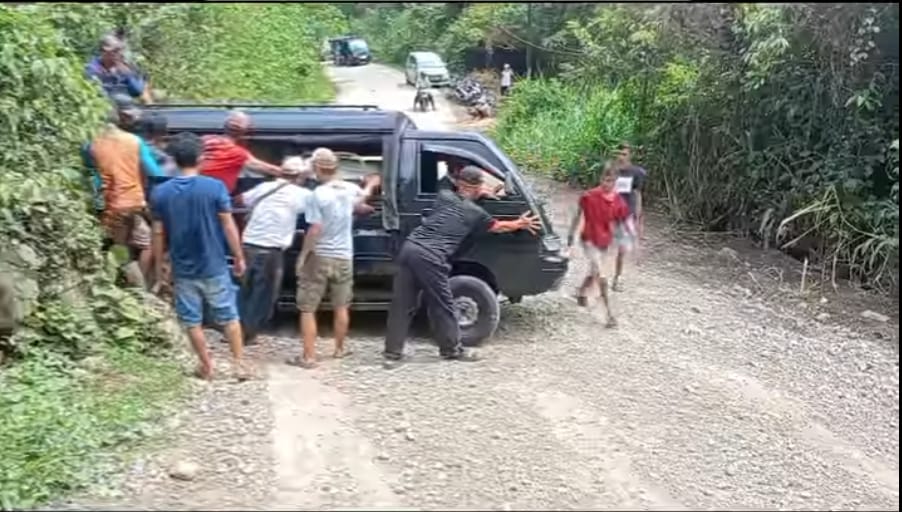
(192, 216)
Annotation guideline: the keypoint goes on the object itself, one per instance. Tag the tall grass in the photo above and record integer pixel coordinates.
(560, 131)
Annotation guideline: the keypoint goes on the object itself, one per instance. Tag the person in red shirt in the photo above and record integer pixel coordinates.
(603, 219)
(224, 157)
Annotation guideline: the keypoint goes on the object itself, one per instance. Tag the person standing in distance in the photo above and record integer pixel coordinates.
(424, 265)
(507, 79)
(192, 216)
(629, 184)
(327, 257)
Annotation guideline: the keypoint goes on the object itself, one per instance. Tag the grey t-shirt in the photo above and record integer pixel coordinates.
(332, 206)
(630, 181)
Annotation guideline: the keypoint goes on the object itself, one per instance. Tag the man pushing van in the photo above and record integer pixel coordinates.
(424, 265)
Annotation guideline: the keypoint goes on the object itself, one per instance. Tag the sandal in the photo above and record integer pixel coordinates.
(617, 286)
(300, 362)
(582, 301)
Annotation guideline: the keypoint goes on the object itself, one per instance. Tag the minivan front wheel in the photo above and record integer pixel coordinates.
(476, 307)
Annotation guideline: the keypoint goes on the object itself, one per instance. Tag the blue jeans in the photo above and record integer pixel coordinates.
(218, 293)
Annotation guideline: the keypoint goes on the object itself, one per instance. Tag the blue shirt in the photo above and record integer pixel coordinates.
(189, 208)
(149, 166)
(114, 81)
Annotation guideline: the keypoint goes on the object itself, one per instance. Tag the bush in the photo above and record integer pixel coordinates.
(91, 361)
(552, 128)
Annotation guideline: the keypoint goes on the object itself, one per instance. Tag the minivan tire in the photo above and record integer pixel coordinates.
(475, 292)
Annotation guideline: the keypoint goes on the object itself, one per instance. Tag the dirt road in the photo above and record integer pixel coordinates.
(706, 396)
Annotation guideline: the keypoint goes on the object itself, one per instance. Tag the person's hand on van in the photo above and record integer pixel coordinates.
(371, 182)
(530, 222)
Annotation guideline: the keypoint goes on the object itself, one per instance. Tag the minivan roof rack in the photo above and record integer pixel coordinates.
(262, 105)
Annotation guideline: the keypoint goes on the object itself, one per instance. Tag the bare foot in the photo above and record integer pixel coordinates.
(204, 373)
(244, 372)
(341, 352)
(611, 323)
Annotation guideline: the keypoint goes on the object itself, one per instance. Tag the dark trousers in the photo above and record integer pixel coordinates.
(259, 287)
(421, 271)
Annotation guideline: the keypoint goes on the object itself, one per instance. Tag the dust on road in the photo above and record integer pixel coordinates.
(702, 398)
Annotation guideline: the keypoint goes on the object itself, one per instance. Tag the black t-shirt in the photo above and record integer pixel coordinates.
(452, 220)
(446, 183)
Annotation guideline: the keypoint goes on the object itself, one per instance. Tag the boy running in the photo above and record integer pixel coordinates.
(192, 215)
(602, 216)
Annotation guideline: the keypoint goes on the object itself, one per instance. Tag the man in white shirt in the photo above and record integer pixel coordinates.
(326, 261)
(271, 222)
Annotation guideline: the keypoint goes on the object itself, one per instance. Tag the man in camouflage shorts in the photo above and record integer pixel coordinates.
(326, 260)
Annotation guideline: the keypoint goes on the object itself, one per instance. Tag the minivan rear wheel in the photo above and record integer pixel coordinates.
(476, 307)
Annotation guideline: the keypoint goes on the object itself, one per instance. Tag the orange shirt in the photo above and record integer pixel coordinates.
(117, 158)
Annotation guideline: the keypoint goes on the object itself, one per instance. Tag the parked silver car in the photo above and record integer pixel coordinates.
(429, 63)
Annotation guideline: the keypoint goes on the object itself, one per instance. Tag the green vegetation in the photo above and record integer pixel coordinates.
(779, 121)
(90, 362)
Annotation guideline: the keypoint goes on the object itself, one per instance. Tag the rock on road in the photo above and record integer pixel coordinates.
(701, 399)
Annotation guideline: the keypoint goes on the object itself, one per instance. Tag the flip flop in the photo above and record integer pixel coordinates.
(301, 363)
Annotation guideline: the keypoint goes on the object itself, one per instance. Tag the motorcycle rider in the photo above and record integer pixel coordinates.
(423, 95)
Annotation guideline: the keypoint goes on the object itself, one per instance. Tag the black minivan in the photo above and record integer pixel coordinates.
(411, 162)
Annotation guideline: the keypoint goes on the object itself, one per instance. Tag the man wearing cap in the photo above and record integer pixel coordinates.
(273, 209)
(120, 161)
(224, 157)
(326, 260)
(114, 75)
(424, 265)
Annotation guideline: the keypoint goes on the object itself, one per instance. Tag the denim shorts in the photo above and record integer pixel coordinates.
(217, 293)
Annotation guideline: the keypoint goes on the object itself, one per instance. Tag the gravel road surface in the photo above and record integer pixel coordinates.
(707, 396)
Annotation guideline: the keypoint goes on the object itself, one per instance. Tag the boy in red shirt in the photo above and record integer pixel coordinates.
(603, 220)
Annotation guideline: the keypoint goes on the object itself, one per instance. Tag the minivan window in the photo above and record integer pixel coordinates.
(358, 45)
(430, 61)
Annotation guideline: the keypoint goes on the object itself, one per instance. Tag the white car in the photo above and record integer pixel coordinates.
(429, 63)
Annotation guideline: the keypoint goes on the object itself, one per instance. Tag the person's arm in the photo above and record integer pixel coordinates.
(158, 249)
(248, 198)
(224, 209)
(575, 225)
(158, 240)
(148, 163)
(314, 219)
(257, 165)
(639, 184)
(527, 221)
(133, 82)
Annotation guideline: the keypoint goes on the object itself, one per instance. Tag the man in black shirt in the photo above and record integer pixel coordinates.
(423, 264)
